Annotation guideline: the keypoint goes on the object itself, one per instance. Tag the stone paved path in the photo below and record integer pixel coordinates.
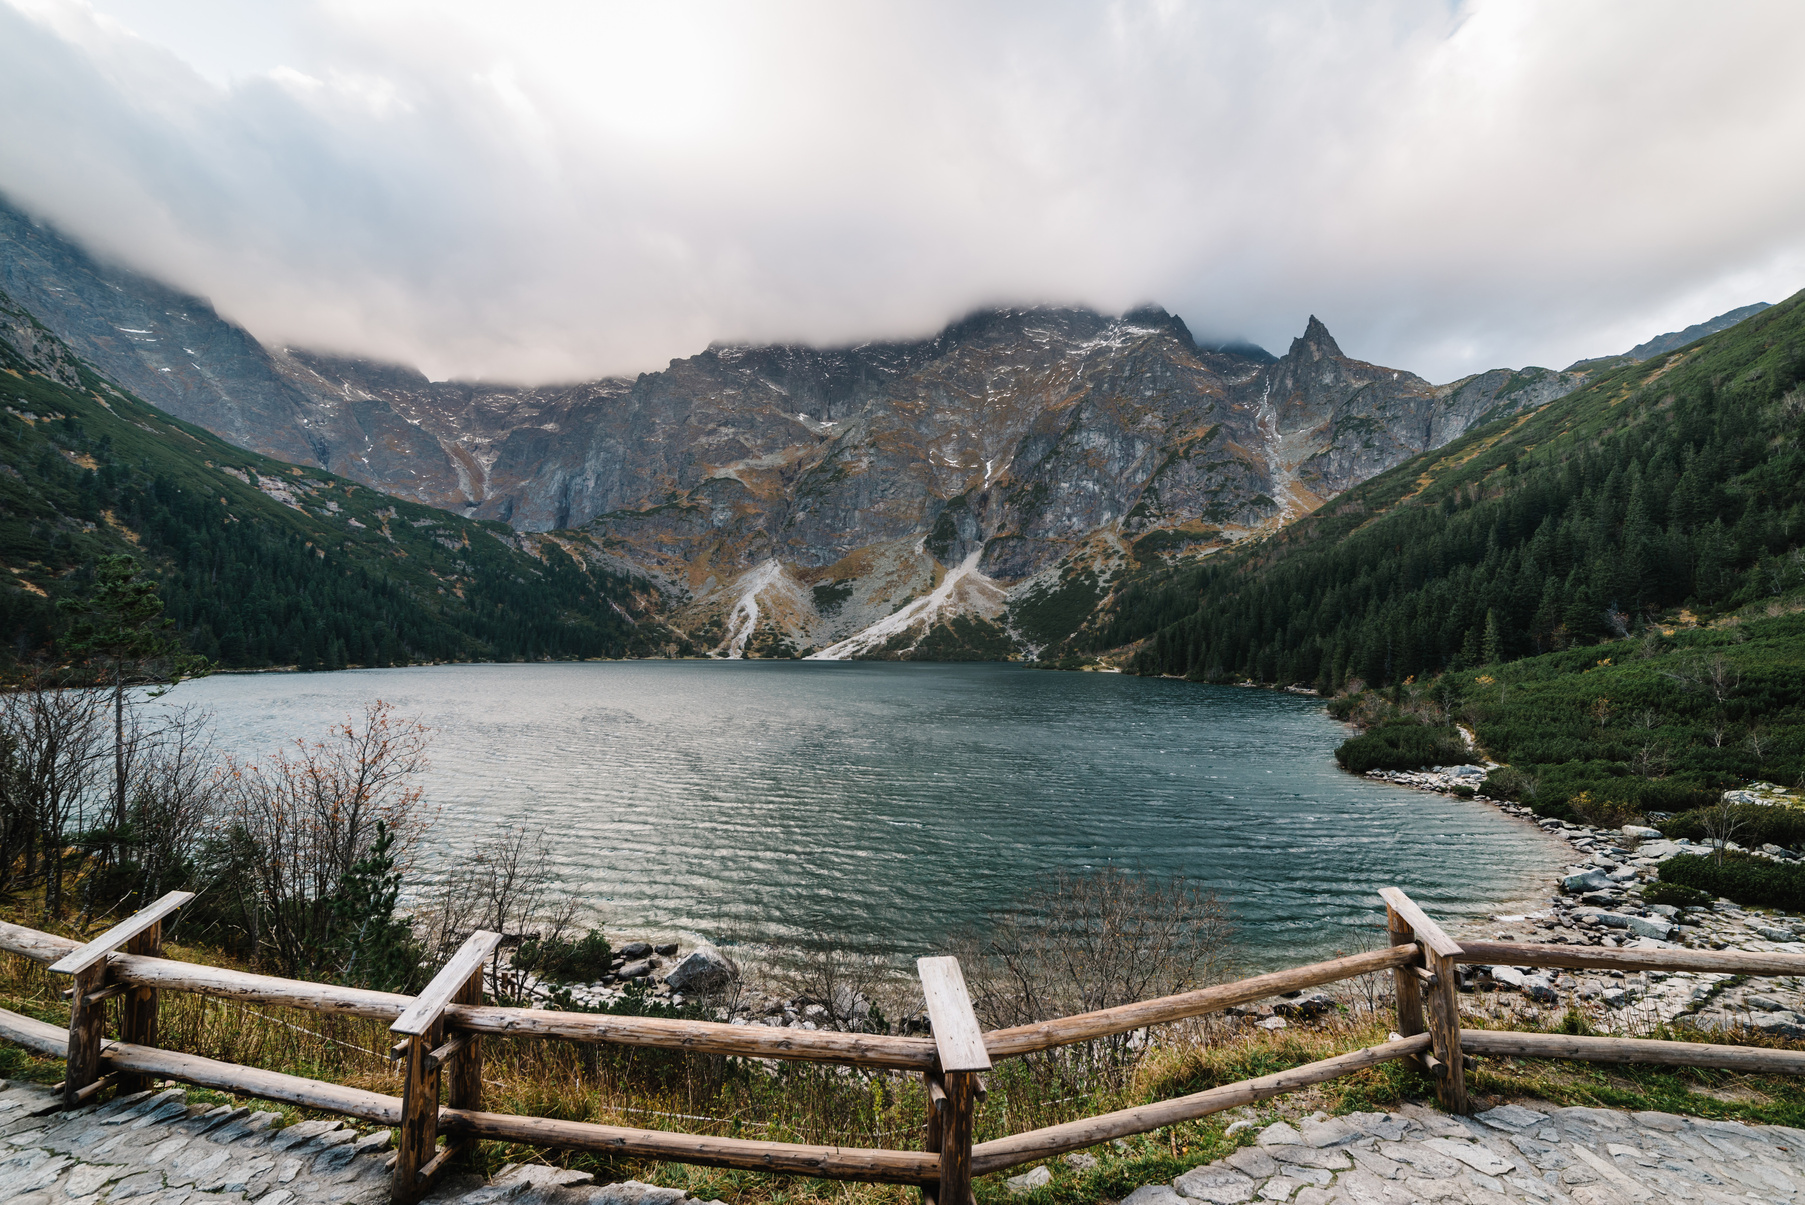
(1512, 1153)
(156, 1149)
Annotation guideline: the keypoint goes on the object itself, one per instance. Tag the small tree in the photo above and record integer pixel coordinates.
(378, 947)
(119, 630)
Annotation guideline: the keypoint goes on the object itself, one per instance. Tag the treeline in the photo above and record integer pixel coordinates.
(1657, 486)
(343, 577)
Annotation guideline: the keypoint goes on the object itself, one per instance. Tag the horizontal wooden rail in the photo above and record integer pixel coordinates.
(834, 1163)
(1631, 1050)
(1016, 1149)
(1125, 1018)
(701, 1037)
(782, 1158)
(1717, 962)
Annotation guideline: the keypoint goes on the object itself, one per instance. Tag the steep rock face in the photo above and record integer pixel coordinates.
(788, 498)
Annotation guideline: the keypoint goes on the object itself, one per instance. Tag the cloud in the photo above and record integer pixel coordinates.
(556, 190)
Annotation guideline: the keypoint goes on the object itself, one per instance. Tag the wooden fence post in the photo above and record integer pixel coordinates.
(1407, 987)
(418, 1161)
(140, 933)
(1439, 978)
(959, 1045)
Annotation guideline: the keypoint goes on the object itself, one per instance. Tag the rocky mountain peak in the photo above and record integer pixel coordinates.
(1315, 343)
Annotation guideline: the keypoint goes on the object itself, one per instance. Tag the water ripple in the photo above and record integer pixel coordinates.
(880, 807)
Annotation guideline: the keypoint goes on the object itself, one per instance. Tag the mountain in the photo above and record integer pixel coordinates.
(850, 501)
(261, 562)
(1676, 482)
(1672, 340)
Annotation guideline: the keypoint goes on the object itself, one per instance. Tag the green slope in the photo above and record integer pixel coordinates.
(260, 562)
(1678, 482)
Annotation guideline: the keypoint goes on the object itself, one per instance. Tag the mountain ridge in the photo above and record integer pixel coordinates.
(785, 498)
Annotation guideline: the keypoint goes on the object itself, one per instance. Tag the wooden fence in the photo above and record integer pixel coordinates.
(440, 1031)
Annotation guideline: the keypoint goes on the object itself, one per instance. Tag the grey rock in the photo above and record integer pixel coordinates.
(1153, 1194)
(1641, 832)
(1508, 976)
(704, 969)
(1657, 927)
(1081, 1161)
(1252, 1161)
(1028, 1181)
(1776, 934)
(1514, 1117)
(1215, 1183)
(1783, 1023)
(635, 970)
(1584, 881)
(635, 950)
(1279, 1134)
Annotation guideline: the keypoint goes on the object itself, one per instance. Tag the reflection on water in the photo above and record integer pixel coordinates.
(880, 806)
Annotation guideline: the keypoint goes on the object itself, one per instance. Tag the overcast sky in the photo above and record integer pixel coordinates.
(537, 191)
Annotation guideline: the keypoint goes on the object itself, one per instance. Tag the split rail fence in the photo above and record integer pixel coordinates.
(440, 1032)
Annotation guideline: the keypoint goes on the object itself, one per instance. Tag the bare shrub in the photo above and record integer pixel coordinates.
(1721, 822)
(298, 821)
(508, 886)
(857, 993)
(54, 740)
(1094, 941)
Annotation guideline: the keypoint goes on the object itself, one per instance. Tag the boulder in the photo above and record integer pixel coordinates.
(1507, 976)
(1540, 990)
(667, 949)
(1784, 1024)
(1027, 1182)
(1766, 1004)
(1641, 832)
(633, 951)
(1773, 934)
(705, 969)
(1657, 927)
(1591, 879)
(635, 970)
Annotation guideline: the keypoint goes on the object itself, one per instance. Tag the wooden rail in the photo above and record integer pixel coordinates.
(441, 1030)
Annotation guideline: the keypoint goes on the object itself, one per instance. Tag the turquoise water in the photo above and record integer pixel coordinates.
(880, 806)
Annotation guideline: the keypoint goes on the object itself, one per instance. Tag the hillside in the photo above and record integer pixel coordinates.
(261, 562)
(1678, 482)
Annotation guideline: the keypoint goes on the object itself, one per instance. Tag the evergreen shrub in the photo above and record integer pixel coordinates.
(1739, 877)
(1402, 745)
(584, 960)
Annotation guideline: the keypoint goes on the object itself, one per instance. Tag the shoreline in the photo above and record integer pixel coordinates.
(1597, 902)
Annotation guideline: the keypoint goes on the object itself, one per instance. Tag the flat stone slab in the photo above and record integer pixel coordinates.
(1537, 1156)
(156, 1149)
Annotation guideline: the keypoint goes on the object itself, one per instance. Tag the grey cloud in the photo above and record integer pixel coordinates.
(552, 191)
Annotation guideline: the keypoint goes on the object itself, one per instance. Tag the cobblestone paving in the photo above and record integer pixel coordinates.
(156, 1149)
(1510, 1153)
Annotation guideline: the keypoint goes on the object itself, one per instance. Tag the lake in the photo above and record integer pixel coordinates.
(881, 806)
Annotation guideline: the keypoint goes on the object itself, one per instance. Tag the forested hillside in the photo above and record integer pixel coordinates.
(263, 563)
(1679, 482)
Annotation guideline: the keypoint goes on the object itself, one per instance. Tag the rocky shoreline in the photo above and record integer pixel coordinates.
(1598, 901)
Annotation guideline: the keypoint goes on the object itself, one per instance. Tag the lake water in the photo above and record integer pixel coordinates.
(880, 806)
